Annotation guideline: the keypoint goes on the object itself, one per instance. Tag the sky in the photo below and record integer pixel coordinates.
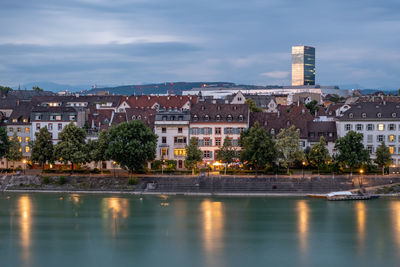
(119, 42)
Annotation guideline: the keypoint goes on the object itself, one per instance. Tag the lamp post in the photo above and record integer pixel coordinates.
(302, 167)
(360, 181)
(24, 162)
(114, 165)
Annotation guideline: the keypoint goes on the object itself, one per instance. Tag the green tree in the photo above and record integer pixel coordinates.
(131, 145)
(5, 89)
(14, 151)
(226, 153)
(72, 147)
(312, 107)
(37, 89)
(351, 151)
(193, 154)
(319, 155)
(42, 148)
(98, 148)
(258, 147)
(4, 142)
(383, 157)
(288, 147)
(253, 107)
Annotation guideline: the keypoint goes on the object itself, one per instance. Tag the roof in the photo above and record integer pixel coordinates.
(19, 113)
(209, 112)
(53, 109)
(100, 118)
(372, 111)
(146, 115)
(92, 99)
(166, 102)
(261, 101)
(316, 129)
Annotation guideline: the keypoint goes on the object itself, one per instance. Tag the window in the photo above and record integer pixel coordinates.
(163, 130)
(240, 117)
(347, 127)
(207, 130)
(379, 114)
(330, 134)
(19, 129)
(381, 127)
(359, 127)
(164, 118)
(392, 127)
(26, 139)
(14, 120)
(50, 126)
(72, 117)
(228, 130)
(11, 129)
(370, 149)
(38, 117)
(27, 149)
(180, 140)
(19, 139)
(218, 118)
(59, 126)
(392, 149)
(37, 126)
(235, 142)
(272, 131)
(180, 152)
(229, 118)
(394, 114)
(370, 138)
(206, 118)
(164, 151)
(370, 127)
(351, 115)
(217, 130)
(364, 115)
(164, 139)
(195, 118)
(218, 141)
(392, 138)
(27, 130)
(10, 138)
(180, 130)
(207, 154)
(379, 138)
(207, 142)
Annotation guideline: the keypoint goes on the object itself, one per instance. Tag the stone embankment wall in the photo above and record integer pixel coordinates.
(190, 184)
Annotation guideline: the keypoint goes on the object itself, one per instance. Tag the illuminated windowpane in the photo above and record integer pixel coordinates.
(391, 149)
(27, 149)
(381, 127)
(180, 152)
(391, 138)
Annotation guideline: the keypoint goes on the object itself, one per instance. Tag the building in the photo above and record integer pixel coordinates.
(20, 123)
(210, 123)
(377, 121)
(172, 129)
(54, 118)
(303, 65)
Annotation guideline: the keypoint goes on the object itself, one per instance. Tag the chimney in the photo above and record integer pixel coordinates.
(279, 113)
(18, 102)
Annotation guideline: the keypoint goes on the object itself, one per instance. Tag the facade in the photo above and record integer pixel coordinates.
(303, 65)
(211, 123)
(172, 129)
(54, 118)
(378, 122)
(20, 123)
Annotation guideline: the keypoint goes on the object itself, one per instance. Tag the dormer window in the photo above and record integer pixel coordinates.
(351, 115)
(203, 108)
(229, 118)
(234, 107)
(240, 117)
(133, 117)
(218, 107)
(379, 114)
(394, 114)
(206, 118)
(25, 120)
(218, 118)
(14, 120)
(139, 117)
(195, 118)
(364, 115)
(272, 131)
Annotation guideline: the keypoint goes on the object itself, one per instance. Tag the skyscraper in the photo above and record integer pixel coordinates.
(303, 65)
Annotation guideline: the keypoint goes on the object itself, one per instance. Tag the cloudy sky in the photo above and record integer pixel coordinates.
(112, 42)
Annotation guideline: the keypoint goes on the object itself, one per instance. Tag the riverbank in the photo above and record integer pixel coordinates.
(192, 185)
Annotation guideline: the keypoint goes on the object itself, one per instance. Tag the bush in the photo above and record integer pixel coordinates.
(132, 181)
(45, 179)
(62, 180)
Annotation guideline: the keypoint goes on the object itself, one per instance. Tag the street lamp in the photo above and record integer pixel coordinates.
(360, 181)
(302, 167)
(114, 165)
(24, 162)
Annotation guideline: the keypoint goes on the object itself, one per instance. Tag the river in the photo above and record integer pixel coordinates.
(39, 230)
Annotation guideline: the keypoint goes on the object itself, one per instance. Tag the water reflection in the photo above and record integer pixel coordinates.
(213, 229)
(25, 222)
(303, 224)
(361, 222)
(115, 210)
(395, 207)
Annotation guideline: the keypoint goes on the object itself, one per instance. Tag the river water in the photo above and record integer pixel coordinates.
(54, 230)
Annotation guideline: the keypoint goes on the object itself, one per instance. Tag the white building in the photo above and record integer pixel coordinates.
(172, 129)
(378, 122)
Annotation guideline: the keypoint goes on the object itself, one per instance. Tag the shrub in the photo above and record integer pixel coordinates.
(62, 180)
(132, 181)
(45, 179)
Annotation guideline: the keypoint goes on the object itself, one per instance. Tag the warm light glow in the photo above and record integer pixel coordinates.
(302, 222)
(24, 161)
(115, 210)
(395, 206)
(25, 222)
(361, 171)
(213, 228)
(361, 223)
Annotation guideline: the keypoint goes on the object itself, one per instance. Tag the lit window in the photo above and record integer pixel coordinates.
(11, 138)
(14, 120)
(381, 127)
(19, 139)
(391, 138)
(27, 149)
(391, 149)
(180, 152)
(26, 139)
(25, 120)
(27, 129)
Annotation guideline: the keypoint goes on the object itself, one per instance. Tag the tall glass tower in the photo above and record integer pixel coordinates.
(303, 65)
